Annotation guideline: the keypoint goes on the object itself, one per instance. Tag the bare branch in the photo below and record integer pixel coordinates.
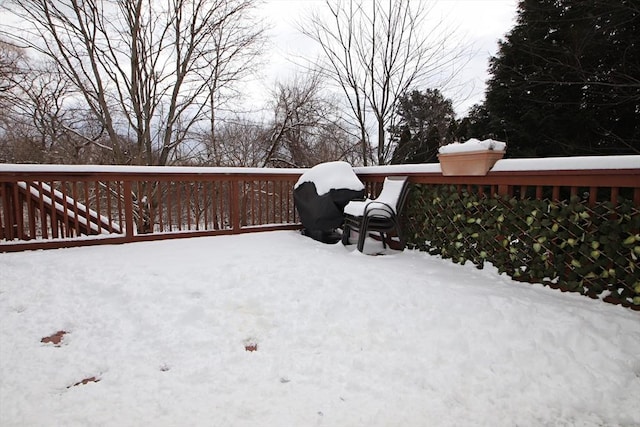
(376, 50)
(142, 67)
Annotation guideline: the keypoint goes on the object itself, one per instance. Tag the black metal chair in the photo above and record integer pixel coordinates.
(381, 215)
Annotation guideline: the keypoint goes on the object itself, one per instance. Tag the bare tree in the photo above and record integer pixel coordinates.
(41, 120)
(142, 67)
(239, 142)
(376, 50)
(31, 108)
(10, 69)
(10, 58)
(41, 124)
(306, 127)
(303, 128)
(235, 54)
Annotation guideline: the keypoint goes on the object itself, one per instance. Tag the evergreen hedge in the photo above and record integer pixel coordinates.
(568, 245)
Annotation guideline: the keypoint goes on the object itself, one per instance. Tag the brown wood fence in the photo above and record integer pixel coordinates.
(52, 206)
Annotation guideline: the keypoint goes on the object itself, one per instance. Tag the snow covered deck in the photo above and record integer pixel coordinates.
(158, 333)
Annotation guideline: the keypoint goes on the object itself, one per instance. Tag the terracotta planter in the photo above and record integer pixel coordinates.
(469, 162)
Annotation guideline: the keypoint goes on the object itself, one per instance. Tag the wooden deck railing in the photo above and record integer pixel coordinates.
(47, 206)
(599, 178)
(53, 206)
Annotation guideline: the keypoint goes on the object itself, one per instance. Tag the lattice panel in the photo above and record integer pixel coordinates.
(567, 245)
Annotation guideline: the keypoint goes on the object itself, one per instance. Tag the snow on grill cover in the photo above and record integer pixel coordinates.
(320, 196)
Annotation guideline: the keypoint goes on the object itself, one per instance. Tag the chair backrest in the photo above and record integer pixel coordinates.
(394, 192)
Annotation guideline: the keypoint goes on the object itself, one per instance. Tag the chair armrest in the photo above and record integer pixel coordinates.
(373, 206)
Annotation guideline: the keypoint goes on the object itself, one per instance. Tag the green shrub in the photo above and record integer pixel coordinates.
(566, 245)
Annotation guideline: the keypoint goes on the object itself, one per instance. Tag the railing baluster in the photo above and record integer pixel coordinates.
(280, 217)
(96, 189)
(170, 186)
(289, 202)
(205, 203)
(4, 216)
(43, 212)
(273, 203)
(151, 187)
(128, 209)
(189, 208)
(18, 215)
(614, 195)
(252, 195)
(217, 201)
(260, 196)
(593, 196)
(66, 230)
(122, 223)
(76, 212)
(234, 206)
(107, 189)
(31, 208)
(54, 214)
(179, 205)
(194, 203)
(87, 216)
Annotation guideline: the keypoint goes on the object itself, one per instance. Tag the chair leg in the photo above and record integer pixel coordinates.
(400, 239)
(361, 237)
(362, 233)
(346, 235)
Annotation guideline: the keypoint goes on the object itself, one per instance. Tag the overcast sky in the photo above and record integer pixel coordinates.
(479, 23)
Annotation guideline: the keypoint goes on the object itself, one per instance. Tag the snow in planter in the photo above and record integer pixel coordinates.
(472, 144)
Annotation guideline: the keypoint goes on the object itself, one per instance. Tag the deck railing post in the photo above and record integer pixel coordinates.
(10, 223)
(4, 200)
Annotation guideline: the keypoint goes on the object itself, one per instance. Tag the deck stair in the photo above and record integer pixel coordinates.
(57, 214)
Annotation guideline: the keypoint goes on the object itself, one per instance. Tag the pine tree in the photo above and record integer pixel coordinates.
(566, 81)
(425, 122)
(475, 125)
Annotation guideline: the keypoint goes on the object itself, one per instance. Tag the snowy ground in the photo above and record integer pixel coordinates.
(343, 339)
